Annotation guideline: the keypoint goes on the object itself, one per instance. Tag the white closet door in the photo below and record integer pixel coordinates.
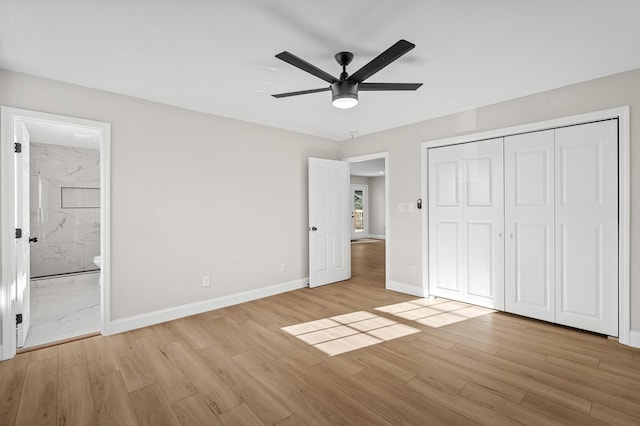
(529, 225)
(466, 209)
(446, 222)
(587, 226)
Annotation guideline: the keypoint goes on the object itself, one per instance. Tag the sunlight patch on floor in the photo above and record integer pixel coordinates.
(435, 312)
(348, 332)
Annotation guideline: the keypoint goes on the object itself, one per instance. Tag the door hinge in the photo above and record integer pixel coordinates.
(18, 319)
(18, 147)
(18, 233)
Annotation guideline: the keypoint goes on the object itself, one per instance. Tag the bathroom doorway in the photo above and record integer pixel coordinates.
(61, 171)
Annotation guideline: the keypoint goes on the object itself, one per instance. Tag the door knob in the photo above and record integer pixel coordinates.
(313, 228)
(33, 240)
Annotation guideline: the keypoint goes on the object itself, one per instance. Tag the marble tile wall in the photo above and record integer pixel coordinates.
(68, 238)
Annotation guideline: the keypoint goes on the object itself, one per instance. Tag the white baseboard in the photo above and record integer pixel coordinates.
(634, 339)
(407, 289)
(376, 236)
(163, 315)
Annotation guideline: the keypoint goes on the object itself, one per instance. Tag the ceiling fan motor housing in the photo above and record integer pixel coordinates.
(344, 89)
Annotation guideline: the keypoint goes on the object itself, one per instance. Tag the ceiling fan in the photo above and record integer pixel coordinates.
(345, 89)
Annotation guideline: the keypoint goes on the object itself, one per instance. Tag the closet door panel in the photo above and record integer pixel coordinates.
(466, 222)
(529, 224)
(479, 255)
(484, 223)
(586, 221)
(445, 223)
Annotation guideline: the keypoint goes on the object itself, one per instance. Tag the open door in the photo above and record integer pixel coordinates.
(329, 222)
(23, 254)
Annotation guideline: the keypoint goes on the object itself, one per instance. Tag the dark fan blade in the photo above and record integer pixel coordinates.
(306, 66)
(382, 60)
(302, 92)
(388, 86)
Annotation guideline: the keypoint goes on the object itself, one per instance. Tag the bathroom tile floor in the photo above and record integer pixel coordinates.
(64, 307)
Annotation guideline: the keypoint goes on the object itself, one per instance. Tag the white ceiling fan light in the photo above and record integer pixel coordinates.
(344, 94)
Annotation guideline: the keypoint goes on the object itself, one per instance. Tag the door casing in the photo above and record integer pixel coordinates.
(387, 236)
(10, 118)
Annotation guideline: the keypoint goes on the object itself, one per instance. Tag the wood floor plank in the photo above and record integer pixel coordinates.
(239, 373)
(208, 384)
(72, 354)
(608, 394)
(134, 367)
(515, 411)
(175, 385)
(531, 380)
(75, 397)
(113, 406)
(457, 404)
(44, 353)
(152, 407)
(467, 369)
(322, 388)
(558, 411)
(100, 359)
(38, 400)
(12, 376)
(240, 415)
(194, 411)
(609, 415)
(292, 420)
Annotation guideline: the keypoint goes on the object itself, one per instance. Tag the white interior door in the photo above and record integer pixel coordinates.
(586, 194)
(529, 225)
(23, 258)
(359, 211)
(329, 222)
(466, 222)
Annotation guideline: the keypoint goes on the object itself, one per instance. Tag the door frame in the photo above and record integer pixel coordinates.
(365, 208)
(625, 336)
(376, 156)
(9, 118)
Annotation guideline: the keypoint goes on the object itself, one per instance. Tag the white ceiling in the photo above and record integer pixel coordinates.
(368, 168)
(62, 134)
(217, 56)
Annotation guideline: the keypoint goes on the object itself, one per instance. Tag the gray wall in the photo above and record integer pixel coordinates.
(404, 147)
(192, 194)
(376, 205)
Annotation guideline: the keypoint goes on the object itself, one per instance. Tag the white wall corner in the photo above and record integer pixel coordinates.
(634, 338)
(407, 289)
(163, 315)
(377, 236)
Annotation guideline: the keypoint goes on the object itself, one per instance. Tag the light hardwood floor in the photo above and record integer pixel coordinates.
(235, 366)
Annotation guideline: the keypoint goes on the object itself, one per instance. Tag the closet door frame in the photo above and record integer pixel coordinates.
(625, 336)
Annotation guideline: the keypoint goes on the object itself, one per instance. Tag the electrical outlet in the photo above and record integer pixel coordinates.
(206, 281)
(412, 269)
(283, 267)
